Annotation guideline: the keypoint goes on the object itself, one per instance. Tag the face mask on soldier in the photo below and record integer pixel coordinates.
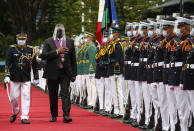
(150, 33)
(178, 32)
(111, 37)
(134, 33)
(105, 40)
(81, 41)
(128, 33)
(158, 31)
(21, 42)
(141, 33)
(192, 32)
(59, 33)
(164, 33)
(86, 40)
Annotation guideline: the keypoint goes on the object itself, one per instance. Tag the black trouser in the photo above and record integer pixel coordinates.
(53, 86)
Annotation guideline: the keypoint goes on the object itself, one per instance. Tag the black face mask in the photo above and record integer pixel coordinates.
(59, 33)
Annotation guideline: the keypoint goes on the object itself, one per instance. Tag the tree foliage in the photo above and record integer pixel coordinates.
(38, 17)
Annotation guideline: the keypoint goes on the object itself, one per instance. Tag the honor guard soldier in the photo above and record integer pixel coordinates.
(116, 62)
(188, 75)
(81, 70)
(130, 109)
(172, 68)
(84, 60)
(92, 68)
(125, 43)
(98, 76)
(107, 43)
(78, 80)
(20, 59)
(188, 79)
(102, 74)
(143, 92)
(158, 90)
(150, 47)
(134, 66)
(181, 52)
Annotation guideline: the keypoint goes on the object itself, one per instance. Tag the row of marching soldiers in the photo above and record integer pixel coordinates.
(147, 78)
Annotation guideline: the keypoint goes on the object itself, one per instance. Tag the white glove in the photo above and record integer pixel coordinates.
(7, 79)
(36, 82)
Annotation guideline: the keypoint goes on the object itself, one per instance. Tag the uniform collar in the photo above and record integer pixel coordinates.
(184, 37)
(171, 37)
(22, 47)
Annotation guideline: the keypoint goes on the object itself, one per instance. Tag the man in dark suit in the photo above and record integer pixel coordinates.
(60, 69)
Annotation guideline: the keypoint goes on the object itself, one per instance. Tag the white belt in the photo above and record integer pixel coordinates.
(158, 64)
(143, 59)
(135, 64)
(127, 62)
(149, 66)
(166, 66)
(176, 64)
(190, 66)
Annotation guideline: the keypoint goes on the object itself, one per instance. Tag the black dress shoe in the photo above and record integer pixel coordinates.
(67, 119)
(126, 121)
(144, 127)
(25, 121)
(103, 113)
(87, 107)
(134, 124)
(97, 112)
(115, 116)
(13, 118)
(53, 119)
(129, 121)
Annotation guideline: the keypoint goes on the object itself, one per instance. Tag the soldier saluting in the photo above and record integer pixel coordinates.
(19, 60)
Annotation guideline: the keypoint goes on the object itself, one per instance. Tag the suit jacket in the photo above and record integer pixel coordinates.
(53, 60)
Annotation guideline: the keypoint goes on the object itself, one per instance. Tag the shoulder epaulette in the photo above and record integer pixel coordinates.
(162, 43)
(140, 46)
(132, 43)
(13, 45)
(30, 46)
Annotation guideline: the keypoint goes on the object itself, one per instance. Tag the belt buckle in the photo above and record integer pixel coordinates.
(155, 64)
(172, 64)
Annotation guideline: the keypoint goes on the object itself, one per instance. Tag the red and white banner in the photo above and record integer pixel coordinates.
(100, 16)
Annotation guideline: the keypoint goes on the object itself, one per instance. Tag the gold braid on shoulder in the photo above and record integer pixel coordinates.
(162, 44)
(140, 46)
(132, 43)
